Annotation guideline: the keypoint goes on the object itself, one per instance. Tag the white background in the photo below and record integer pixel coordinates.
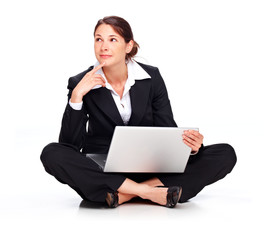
(217, 60)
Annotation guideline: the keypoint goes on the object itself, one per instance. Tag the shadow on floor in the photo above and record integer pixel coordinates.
(97, 205)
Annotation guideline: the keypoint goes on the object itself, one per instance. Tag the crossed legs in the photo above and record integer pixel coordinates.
(69, 166)
(146, 190)
(211, 164)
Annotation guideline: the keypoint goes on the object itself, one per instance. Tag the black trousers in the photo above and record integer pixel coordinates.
(69, 166)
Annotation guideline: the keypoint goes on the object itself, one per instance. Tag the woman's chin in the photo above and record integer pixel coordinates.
(106, 63)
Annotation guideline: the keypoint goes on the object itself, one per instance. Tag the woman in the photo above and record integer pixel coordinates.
(119, 91)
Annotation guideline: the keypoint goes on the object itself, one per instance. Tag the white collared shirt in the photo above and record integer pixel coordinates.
(135, 72)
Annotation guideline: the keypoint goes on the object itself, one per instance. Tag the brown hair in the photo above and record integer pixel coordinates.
(122, 27)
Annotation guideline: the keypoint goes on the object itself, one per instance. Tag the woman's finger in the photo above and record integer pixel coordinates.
(100, 82)
(98, 75)
(197, 134)
(191, 135)
(193, 147)
(95, 69)
(191, 141)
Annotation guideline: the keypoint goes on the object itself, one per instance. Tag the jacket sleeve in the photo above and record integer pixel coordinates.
(73, 129)
(162, 112)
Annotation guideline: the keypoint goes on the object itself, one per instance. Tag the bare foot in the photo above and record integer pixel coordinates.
(157, 195)
(153, 182)
(123, 197)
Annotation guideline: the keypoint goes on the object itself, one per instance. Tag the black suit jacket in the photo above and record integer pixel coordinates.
(150, 107)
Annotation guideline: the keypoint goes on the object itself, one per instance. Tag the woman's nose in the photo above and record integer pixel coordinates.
(104, 46)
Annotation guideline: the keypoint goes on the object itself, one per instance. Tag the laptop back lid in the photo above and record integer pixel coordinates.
(147, 149)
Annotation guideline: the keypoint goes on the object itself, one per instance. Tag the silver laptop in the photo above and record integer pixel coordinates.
(145, 149)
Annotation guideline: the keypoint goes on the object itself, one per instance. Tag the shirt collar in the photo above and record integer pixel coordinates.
(135, 72)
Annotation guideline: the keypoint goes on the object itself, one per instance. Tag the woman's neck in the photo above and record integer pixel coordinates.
(116, 75)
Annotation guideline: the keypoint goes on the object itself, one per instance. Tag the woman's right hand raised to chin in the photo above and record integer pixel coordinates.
(87, 83)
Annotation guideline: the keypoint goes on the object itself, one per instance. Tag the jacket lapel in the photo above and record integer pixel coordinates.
(139, 94)
(103, 99)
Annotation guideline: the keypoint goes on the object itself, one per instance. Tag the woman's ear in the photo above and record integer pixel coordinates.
(129, 46)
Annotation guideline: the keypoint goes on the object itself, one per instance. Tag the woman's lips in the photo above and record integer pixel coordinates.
(105, 56)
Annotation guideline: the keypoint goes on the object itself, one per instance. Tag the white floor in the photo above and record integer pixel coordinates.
(35, 206)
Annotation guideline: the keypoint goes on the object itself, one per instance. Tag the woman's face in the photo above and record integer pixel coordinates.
(110, 47)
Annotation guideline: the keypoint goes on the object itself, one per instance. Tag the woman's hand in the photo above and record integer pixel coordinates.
(193, 139)
(87, 83)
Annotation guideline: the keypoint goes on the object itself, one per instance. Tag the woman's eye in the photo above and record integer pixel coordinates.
(98, 39)
(113, 40)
